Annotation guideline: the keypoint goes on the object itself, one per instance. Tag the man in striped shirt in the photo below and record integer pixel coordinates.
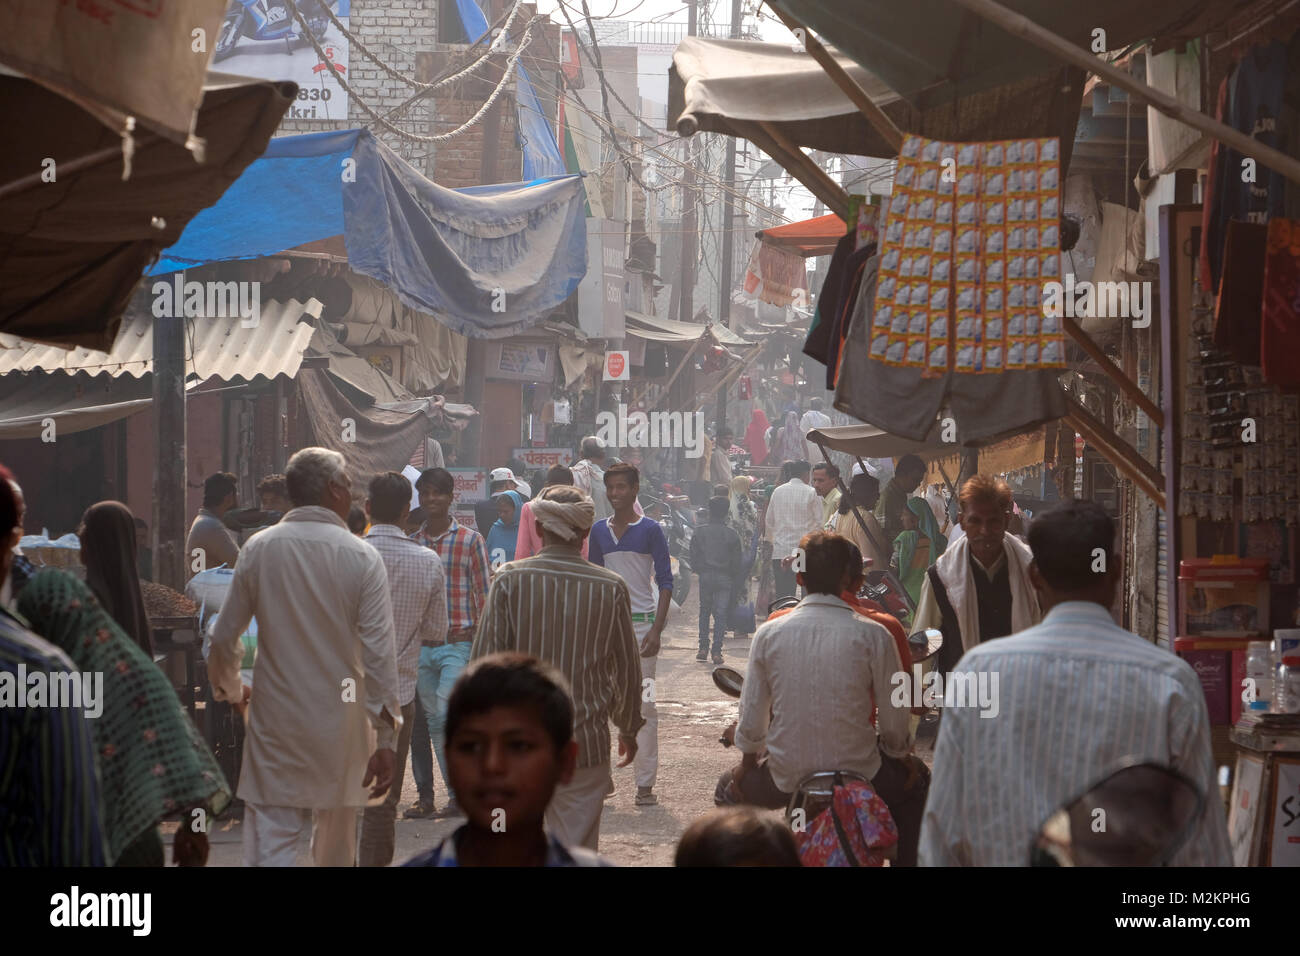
(1075, 697)
(578, 618)
(465, 566)
(416, 585)
(634, 547)
(49, 784)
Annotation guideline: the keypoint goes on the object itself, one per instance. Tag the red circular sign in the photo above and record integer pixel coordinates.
(616, 364)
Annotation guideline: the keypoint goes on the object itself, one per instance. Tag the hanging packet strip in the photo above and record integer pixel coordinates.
(970, 233)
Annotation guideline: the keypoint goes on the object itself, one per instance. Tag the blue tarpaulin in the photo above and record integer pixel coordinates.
(541, 153)
(488, 261)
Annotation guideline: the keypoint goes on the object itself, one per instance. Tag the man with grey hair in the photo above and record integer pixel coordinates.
(320, 737)
(589, 475)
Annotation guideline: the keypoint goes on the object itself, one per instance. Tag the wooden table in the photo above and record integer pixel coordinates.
(1264, 814)
(180, 635)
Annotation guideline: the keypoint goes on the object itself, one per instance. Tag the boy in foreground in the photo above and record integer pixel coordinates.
(509, 745)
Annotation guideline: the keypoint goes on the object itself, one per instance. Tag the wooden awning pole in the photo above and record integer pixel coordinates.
(875, 116)
(1021, 26)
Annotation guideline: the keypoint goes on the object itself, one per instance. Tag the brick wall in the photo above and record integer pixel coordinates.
(404, 34)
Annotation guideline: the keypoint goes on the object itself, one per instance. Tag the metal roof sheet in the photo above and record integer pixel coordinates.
(220, 347)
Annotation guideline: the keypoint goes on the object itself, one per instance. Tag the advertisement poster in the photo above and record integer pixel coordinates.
(1285, 849)
(471, 486)
(544, 457)
(1243, 816)
(617, 366)
(525, 362)
(262, 38)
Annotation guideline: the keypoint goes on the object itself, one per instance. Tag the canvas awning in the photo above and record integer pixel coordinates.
(811, 237)
(93, 54)
(868, 441)
(215, 347)
(30, 403)
(73, 250)
(381, 440)
(652, 328)
(487, 261)
(765, 92)
(932, 52)
(1000, 457)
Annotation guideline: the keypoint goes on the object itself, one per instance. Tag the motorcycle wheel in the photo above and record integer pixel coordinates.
(228, 37)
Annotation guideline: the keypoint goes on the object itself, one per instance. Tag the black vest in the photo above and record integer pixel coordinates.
(993, 599)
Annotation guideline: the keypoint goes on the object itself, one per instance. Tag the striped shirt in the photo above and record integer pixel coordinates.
(417, 585)
(576, 617)
(814, 676)
(465, 564)
(1076, 695)
(49, 782)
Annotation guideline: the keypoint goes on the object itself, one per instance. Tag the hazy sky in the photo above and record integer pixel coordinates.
(770, 28)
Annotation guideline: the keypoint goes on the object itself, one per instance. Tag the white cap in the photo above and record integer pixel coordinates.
(502, 474)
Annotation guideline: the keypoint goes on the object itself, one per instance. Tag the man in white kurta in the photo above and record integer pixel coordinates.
(322, 727)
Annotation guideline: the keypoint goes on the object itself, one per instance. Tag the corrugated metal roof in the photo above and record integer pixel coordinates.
(216, 348)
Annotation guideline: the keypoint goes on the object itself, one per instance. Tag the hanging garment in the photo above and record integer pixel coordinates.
(1280, 326)
(1241, 289)
(905, 403)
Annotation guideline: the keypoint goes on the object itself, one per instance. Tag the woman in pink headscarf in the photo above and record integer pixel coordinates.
(756, 436)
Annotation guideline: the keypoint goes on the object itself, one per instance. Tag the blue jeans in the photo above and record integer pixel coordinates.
(715, 602)
(421, 754)
(439, 668)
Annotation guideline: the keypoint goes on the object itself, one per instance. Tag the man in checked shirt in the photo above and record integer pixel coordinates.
(417, 586)
(465, 565)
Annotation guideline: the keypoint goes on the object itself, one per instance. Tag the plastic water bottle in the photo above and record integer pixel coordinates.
(1288, 686)
(1259, 670)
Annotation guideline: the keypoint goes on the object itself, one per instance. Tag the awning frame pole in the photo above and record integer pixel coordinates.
(668, 386)
(1021, 26)
(853, 507)
(1117, 451)
(773, 142)
(873, 113)
(1114, 372)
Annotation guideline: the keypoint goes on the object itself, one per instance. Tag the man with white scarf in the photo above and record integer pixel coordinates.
(578, 618)
(979, 589)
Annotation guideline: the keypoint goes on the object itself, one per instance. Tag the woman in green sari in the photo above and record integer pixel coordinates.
(153, 763)
(917, 546)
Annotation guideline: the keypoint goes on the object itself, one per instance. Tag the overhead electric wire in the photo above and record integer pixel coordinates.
(396, 130)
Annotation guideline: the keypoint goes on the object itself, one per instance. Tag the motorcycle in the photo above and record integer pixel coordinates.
(1139, 814)
(674, 516)
(269, 20)
(815, 791)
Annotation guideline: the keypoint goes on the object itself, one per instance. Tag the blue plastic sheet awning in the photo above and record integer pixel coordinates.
(488, 261)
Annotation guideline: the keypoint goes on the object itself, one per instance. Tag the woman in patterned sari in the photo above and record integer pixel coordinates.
(152, 761)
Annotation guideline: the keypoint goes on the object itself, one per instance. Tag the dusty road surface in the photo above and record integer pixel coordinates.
(692, 715)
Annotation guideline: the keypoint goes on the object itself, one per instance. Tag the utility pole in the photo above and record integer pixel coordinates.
(728, 223)
(170, 559)
(690, 252)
